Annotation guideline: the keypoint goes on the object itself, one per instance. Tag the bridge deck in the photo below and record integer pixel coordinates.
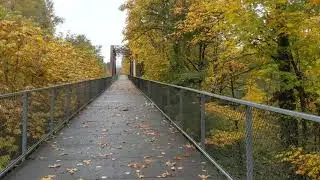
(119, 136)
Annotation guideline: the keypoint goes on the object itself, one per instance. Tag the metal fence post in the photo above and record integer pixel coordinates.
(181, 108)
(68, 102)
(90, 90)
(202, 120)
(52, 108)
(148, 88)
(24, 144)
(249, 149)
(168, 97)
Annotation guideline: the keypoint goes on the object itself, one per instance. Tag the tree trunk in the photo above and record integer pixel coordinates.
(286, 97)
(303, 100)
(202, 60)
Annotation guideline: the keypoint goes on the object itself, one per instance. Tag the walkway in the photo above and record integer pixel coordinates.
(119, 136)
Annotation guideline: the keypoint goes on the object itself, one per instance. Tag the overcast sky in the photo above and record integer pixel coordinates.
(100, 20)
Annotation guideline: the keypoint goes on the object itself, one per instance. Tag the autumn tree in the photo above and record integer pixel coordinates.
(263, 51)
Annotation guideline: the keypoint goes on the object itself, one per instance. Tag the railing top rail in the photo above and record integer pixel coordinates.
(309, 117)
(46, 88)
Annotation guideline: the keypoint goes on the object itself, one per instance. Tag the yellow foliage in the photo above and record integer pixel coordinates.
(30, 58)
(261, 124)
(225, 138)
(306, 164)
(254, 93)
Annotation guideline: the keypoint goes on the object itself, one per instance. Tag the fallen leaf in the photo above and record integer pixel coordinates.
(87, 162)
(133, 165)
(41, 157)
(189, 146)
(63, 154)
(147, 160)
(204, 177)
(170, 164)
(72, 170)
(141, 176)
(49, 177)
(54, 166)
(180, 168)
(178, 158)
(163, 175)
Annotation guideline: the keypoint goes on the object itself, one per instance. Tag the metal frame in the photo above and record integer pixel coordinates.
(249, 121)
(309, 117)
(104, 83)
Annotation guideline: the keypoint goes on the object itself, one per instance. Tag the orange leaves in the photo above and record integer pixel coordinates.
(203, 177)
(315, 2)
(48, 177)
(87, 162)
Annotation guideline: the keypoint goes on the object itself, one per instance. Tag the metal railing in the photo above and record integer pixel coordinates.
(30, 117)
(244, 140)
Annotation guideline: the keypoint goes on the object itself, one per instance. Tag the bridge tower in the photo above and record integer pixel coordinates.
(133, 68)
(113, 61)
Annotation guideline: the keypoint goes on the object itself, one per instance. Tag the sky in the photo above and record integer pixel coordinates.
(100, 20)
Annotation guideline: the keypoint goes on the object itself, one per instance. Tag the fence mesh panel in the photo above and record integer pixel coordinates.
(10, 129)
(38, 115)
(280, 141)
(247, 140)
(225, 135)
(27, 118)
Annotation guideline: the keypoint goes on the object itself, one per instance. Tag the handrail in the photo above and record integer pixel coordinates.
(46, 88)
(306, 116)
(165, 100)
(57, 105)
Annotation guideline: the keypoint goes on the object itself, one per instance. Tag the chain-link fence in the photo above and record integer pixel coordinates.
(30, 117)
(243, 140)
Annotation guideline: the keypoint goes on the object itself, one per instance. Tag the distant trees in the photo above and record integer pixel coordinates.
(40, 11)
(31, 56)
